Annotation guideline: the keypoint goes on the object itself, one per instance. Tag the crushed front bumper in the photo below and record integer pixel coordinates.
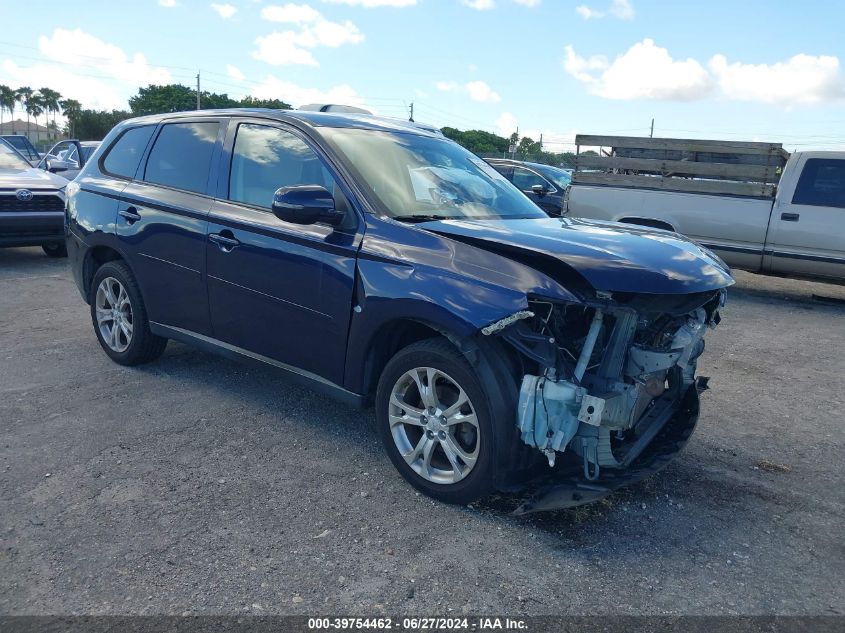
(558, 491)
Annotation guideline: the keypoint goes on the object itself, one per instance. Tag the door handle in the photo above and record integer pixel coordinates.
(789, 217)
(130, 214)
(226, 242)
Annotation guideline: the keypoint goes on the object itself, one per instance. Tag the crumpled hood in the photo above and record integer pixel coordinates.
(611, 256)
(33, 178)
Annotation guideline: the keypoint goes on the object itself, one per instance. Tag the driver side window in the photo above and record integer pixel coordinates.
(525, 179)
(266, 158)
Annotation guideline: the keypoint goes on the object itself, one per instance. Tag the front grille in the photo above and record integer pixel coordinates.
(39, 202)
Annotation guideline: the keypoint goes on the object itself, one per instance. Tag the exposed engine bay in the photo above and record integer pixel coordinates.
(602, 379)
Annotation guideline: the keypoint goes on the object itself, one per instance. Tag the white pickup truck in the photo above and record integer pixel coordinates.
(756, 206)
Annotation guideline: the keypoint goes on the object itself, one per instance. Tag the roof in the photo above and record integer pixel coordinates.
(523, 162)
(306, 118)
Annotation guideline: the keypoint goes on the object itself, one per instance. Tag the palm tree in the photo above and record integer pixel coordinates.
(72, 109)
(50, 100)
(23, 95)
(7, 102)
(35, 107)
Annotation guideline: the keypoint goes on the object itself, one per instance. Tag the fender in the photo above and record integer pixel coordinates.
(409, 273)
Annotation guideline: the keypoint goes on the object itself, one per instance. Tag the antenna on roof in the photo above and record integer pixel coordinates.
(411, 118)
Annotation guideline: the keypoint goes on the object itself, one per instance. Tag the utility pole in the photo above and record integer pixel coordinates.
(198, 90)
(541, 141)
(411, 119)
(651, 134)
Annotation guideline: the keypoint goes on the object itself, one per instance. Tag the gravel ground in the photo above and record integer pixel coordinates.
(197, 485)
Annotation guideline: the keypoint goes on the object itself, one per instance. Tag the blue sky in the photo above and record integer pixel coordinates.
(748, 70)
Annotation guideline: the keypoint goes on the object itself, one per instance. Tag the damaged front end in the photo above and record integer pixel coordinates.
(609, 393)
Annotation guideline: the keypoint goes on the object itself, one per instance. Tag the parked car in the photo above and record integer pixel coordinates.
(543, 184)
(23, 145)
(31, 205)
(68, 157)
(788, 221)
(380, 262)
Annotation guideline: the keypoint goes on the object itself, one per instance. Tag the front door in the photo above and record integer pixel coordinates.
(277, 289)
(526, 180)
(806, 237)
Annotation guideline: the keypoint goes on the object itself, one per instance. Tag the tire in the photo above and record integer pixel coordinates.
(54, 249)
(419, 427)
(124, 310)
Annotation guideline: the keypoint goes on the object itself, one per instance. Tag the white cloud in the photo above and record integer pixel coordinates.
(480, 91)
(372, 4)
(274, 88)
(476, 90)
(620, 9)
(290, 13)
(293, 47)
(234, 73)
(506, 124)
(553, 140)
(117, 74)
(800, 80)
(167, 4)
(83, 49)
(648, 71)
(645, 71)
(479, 5)
(225, 11)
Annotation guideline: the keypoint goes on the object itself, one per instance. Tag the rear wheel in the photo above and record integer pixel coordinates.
(435, 422)
(120, 317)
(55, 249)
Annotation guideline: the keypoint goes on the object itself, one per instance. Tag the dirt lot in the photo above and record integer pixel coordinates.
(198, 485)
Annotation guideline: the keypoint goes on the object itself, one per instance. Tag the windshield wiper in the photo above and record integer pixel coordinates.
(421, 217)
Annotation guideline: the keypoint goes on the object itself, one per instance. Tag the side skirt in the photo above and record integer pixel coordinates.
(297, 376)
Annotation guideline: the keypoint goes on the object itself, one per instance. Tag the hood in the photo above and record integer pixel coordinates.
(32, 178)
(610, 256)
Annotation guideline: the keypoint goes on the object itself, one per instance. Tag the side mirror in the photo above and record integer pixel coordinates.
(306, 204)
(539, 190)
(56, 166)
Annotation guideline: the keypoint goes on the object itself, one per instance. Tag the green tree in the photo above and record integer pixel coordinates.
(22, 96)
(527, 147)
(72, 109)
(7, 101)
(35, 108)
(50, 99)
(93, 125)
(273, 104)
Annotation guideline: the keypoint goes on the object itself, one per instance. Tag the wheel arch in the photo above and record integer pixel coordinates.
(94, 259)
(649, 222)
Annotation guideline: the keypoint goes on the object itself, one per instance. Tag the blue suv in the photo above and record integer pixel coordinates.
(381, 263)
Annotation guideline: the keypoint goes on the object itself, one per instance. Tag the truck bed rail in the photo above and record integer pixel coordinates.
(687, 165)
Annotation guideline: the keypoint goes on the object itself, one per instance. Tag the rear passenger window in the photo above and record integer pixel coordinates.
(822, 183)
(125, 155)
(181, 156)
(266, 158)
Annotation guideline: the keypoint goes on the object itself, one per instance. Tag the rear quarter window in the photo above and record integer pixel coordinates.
(125, 154)
(181, 155)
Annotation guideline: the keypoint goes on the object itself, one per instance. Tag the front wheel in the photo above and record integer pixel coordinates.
(435, 422)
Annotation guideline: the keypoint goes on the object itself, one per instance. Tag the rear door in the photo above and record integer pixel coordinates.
(807, 236)
(277, 289)
(162, 221)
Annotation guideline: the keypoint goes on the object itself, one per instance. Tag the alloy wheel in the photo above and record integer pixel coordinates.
(434, 425)
(114, 314)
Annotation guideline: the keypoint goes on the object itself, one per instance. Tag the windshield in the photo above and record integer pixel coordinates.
(409, 176)
(559, 177)
(10, 159)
